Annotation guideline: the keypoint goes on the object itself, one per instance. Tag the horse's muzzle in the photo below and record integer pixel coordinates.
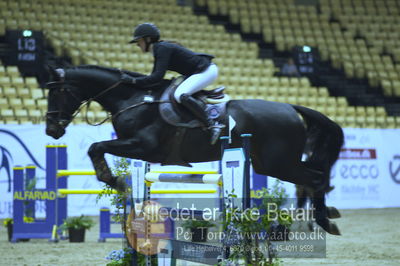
(55, 131)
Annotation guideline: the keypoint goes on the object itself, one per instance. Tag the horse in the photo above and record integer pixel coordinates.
(280, 131)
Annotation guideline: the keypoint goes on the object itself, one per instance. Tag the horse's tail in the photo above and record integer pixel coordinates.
(324, 139)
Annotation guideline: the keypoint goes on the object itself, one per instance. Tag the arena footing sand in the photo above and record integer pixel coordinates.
(369, 237)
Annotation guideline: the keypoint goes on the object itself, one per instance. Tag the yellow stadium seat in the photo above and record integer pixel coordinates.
(10, 92)
(4, 103)
(396, 87)
(24, 93)
(360, 121)
(351, 110)
(387, 87)
(41, 104)
(323, 91)
(341, 120)
(370, 122)
(380, 111)
(330, 110)
(284, 81)
(390, 122)
(360, 111)
(101, 115)
(13, 71)
(37, 93)
(5, 82)
(15, 103)
(31, 82)
(322, 101)
(293, 91)
(397, 118)
(21, 113)
(7, 114)
(341, 101)
(17, 82)
(381, 121)
(3, 72)
(35, 114)
(312, 101)
(350, 121)
(29, 103)
(295, 82)
(302, 100)
(272, 91)
(370, 111)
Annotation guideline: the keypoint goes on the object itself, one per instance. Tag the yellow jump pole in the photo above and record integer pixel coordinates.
(156, 191)
(83, 191)
(75, 172)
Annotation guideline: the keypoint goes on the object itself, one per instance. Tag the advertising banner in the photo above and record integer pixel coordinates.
(24, 145)
(367, 175)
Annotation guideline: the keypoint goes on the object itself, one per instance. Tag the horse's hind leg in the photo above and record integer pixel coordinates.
(301, 195)
(321, 214)
(313, 179)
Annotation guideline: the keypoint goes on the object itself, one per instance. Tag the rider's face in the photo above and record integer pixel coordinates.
(142, 44)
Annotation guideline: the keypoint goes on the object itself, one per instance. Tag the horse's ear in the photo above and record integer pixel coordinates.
(55, 78)
(53, 74)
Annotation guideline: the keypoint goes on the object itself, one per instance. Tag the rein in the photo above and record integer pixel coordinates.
(112, 117)
(131, 107)
(88, 102)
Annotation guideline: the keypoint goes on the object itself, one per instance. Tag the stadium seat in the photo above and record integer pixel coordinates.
(98, 34)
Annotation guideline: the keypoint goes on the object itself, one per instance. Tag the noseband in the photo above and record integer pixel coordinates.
(59, 85)
(61, 95)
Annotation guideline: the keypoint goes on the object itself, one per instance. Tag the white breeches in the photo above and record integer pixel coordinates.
(197, 82)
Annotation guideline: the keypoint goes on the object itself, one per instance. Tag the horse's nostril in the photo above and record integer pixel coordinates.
(54, 131)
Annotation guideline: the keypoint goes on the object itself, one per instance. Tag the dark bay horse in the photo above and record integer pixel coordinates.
(280, 131)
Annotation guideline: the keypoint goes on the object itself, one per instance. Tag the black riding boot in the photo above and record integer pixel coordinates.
(198, 110)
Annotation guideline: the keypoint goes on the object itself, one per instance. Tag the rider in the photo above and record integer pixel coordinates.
(199, 69)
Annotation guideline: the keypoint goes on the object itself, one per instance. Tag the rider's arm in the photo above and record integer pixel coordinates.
(162, 56)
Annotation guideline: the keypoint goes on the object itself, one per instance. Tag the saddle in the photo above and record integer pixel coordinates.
(175, 114)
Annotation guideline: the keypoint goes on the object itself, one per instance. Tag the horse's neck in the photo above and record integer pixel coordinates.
(125, 97)
(114, 99)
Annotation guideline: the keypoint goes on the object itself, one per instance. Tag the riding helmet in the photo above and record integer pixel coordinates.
(146, 30)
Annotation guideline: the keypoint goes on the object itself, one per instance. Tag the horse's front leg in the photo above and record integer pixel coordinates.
(132, 148)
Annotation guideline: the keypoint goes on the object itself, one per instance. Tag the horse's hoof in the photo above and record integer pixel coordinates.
(310, 225)
(332, 213)
(329, 227)
(329, 189)
(320, 186)
(333, 229)
(120, 184)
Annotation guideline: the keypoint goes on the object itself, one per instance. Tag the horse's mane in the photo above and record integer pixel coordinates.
(115, 73)
(107, 69)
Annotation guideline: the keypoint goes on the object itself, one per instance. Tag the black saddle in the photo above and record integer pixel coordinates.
(176, 114)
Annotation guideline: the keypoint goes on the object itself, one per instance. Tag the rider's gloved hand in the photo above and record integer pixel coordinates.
(125, 78)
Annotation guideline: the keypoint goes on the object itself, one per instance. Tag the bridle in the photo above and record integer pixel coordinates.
(63, 123)
(59, 85)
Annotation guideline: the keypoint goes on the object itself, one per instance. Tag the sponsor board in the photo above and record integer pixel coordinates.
(25, 145)
(366, 175)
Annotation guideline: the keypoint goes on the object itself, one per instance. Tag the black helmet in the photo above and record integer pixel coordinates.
(146, 30)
